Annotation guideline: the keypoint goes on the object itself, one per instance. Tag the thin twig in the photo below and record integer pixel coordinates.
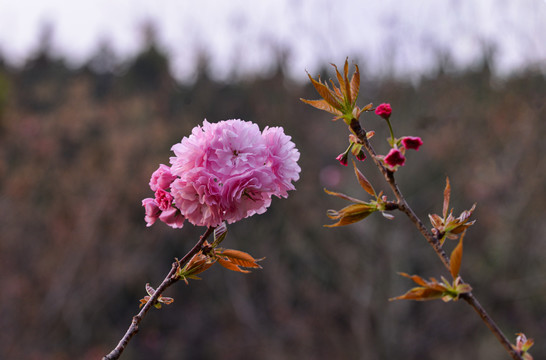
(168, 281)
(431, 239)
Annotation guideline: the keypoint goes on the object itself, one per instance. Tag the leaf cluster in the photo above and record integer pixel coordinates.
(160, 300)
(339, 100)
(360, 209)
(209, 254)
(523, 344)
(449, 226)
(432, 289)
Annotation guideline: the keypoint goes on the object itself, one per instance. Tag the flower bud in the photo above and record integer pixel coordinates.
(342, 158)
(384, 110)
(412, 142)
(394, 158)
(152, 211)
(358, 152)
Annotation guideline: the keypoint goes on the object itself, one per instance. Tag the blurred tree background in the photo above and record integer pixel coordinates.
(77, 148)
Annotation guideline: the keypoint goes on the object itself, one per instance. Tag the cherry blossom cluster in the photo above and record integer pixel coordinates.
(396, 156)
(223, 171)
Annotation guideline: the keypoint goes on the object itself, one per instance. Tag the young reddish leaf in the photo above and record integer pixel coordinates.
(467, 213)
(420, 294)
(198, 263)
(416, 278)
(325, 92)
(346, 83)
(363, 181)
(461, 223)
(432, 289)
(241, 258)
(343, 87)
(343, 196)
(523, 345)
(456, 258)
(429, 290)
(350, 214)
(161, 299)
(166, 300)
(355, 84)
(336, 92)
(435, 220)
(150, 290)
(230, 266)
(144, 301)
(367, 107)
(447, 192)
(460, 228)
(323, 105)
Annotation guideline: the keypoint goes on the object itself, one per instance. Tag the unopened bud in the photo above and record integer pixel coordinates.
(384, 110)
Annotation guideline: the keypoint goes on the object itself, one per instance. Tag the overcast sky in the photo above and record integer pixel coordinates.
(400, 36)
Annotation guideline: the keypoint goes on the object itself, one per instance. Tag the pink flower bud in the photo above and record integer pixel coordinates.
(358, 152)
(342, 158)
(412, 142)
(395, 158)
(384, 110)
(162, 178)
(152, 211)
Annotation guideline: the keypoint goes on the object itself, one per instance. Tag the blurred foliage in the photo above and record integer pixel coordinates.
(77, 148)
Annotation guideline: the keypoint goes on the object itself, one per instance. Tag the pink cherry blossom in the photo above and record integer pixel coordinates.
(224, 171)
(395, 158)
(282, 158)
(172, 217)
(384, 110)
(192, 151)
(161, 178)
(237, 147)
(152, 211)
(163, 199)
(247, 194)
(198, 195)
(412, 142)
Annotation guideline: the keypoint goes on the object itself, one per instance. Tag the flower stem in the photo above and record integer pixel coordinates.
(392, 132)
(170, 279)
(431, 239)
